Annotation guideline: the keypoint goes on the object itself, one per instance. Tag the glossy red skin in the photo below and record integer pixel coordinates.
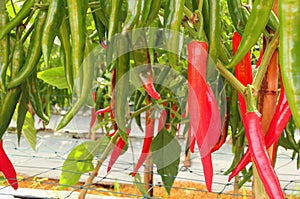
(7, 168)
(243, 71)
(280, 119)
(116, 151)
(205, 122)
(146, 145)
(259, 154)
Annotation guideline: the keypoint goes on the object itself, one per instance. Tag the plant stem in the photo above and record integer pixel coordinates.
(104, 155)
(231, 78)
(188, 13)
(270, 49)
(148, 106)
(2, 5)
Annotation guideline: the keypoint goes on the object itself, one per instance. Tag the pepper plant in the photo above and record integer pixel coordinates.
(126, 58)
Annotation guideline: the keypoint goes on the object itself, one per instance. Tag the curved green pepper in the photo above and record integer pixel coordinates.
(77, 18)
(34, 52)
(133, 13)
(4, 49)
(35, 98)
(155, 6)
(173, 22)
(22, 14)
(88, 73)
(214, 29)
(256, 24)
(289, 15)
(12, 96)
(53, 21)
(114, 18)
(238, 15)
(122, 86)
(64, 37)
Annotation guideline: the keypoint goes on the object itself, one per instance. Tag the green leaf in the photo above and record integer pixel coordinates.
(54, 77)
(29, 130)
(137, 180)
(97, 147)
(78, 162)
(166, 156)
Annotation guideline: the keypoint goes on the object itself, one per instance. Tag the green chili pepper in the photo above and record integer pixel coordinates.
(12, 96)
(99, 26)
(102, 16)
(53, 21)
(214, 29)
(133, 13)
(273, 22)
(63, 35)
(77, 17)
(173, 22)
(155, 6)
(88, 73)
(35, 98)
(4, 48)
(289, 15)
(22, 14)
(238, 15)
(122, 86)
(114, 18)
(34, 52)
(141, 58)
(139, 99)
(256, 24)
(146, 7)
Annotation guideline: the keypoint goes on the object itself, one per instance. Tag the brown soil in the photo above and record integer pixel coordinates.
(188, 190)
(180, 189)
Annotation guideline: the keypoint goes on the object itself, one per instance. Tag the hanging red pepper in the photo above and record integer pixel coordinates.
(280, 119)
(197, 57)
(150, 123)
(7, 168)
(111, 106)
(204, 114)
(223, 137)
(258, 151)
(117, 151)
(243, 70)
(141, 57)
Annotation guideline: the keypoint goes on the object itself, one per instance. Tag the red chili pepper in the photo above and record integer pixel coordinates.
(197, 57)
(280, 119)
(205, 119)
(150, 123)
(104, 110)
(148, 84)
(117, 151)
(243, 70)
(224, 135)
(7, 168)
(258, 151)
(141, 57)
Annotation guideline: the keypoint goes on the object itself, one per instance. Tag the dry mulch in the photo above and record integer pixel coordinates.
(184, 190)
(181, 189)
